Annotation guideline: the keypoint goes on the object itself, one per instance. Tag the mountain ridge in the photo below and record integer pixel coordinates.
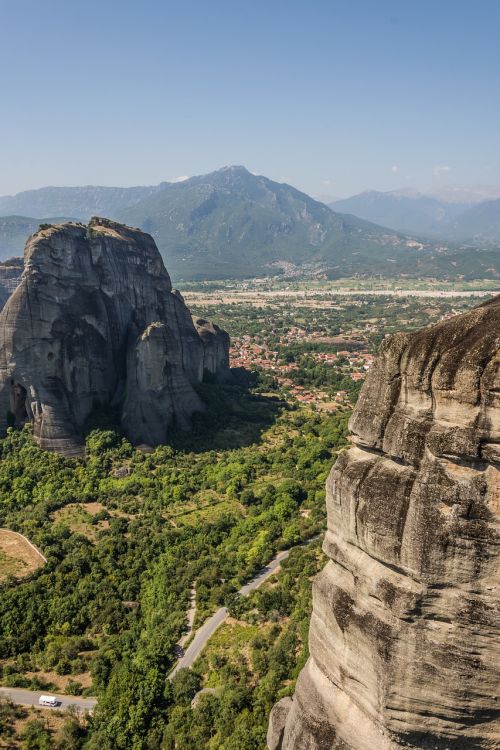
(232, 223)
(79, 202)
(412, 212)
(471, 217)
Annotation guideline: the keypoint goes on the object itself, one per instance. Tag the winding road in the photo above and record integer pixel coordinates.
(210, 626)
(30, 697)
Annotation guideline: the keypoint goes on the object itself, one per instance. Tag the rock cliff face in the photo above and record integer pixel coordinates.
(405, 630)
(215, 349)
(94, 321)
(10, 276)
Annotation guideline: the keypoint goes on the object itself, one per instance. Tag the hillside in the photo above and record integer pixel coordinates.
(78, 202)
(405, 211)
(453, 215)
(15, 230)
(480, 223)
(234, 224)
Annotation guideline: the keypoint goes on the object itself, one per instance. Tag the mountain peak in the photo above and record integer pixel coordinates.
(233, 168)
(406, 192)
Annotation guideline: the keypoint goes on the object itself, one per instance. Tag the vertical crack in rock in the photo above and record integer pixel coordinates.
(405, 630)
(94, 321)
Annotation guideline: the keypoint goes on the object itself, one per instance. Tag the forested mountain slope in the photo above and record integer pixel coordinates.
(233, 224)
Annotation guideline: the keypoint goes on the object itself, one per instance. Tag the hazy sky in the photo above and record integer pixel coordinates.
(333, 97)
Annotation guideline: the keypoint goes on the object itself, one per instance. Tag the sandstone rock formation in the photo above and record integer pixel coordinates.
(94, 321)
(405, 630)
(215, 349)
(10, 276)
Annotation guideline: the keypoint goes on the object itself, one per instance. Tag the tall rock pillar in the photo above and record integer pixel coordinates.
(405, 630)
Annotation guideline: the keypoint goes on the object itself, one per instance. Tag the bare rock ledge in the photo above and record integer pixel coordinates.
(405, 631)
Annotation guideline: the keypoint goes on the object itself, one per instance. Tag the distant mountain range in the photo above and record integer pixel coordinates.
(465, 193)
(15, 230)
(455, 214)
(480, 222)
(233, 224)
(79, 202)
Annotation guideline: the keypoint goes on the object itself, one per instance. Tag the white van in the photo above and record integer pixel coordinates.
(47, 700)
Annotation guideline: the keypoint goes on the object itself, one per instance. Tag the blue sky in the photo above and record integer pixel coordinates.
(333, 97)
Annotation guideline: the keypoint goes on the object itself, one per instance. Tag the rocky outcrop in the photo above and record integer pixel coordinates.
(215, 349)
(94, 321)
(10, 276)
(405, 630)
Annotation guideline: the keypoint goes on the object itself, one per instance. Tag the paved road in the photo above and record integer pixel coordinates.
(30, 698)
(210, 626)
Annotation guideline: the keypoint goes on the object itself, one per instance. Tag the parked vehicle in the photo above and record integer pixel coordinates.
(48, 700)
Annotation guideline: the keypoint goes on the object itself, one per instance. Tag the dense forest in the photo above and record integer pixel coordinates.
(127, 533)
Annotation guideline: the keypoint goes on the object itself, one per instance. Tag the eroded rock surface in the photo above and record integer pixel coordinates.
(215, 349)
(405, 630)
(94, 321)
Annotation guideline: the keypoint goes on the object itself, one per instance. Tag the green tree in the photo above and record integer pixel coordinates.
(36, 736)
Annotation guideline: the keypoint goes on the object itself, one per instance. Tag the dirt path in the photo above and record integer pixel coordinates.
(18, 556)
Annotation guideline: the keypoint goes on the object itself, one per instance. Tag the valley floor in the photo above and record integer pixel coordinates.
(126, 535)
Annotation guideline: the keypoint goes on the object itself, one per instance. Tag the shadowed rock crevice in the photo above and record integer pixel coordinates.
(405, 630)
(95, 320)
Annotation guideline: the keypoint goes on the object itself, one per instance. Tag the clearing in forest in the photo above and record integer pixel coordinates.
(79, 517)
(18, 557)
